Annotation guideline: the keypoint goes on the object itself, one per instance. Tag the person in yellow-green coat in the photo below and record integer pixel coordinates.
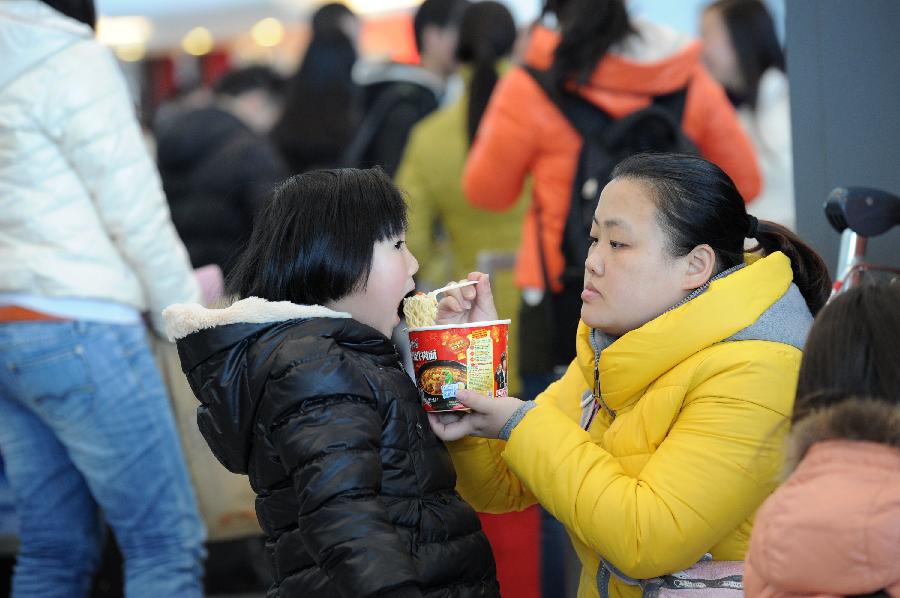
(665, 434)
(432, 166)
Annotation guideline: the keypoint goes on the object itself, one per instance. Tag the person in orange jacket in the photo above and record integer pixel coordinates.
(833, 528)
(619, 64)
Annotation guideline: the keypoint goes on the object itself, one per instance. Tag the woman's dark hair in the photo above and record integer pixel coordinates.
(697, 204)
(250, 78)
(320, 110)
(754, 39)
(588, 29)
(314, 240)
(852, 350)
(329, 19)
(80, 10)
(486, 34)
(442, 14)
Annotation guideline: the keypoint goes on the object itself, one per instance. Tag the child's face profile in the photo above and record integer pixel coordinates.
(390, 279)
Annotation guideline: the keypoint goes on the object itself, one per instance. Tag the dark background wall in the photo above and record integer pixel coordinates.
(843, 61)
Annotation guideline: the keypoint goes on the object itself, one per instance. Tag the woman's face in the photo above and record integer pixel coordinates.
(718, 51)
(630, 277)
(390, 279)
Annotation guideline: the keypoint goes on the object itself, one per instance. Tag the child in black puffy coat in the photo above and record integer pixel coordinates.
(302, 390)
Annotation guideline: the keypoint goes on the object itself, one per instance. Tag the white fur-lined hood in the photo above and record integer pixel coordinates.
(183, 319)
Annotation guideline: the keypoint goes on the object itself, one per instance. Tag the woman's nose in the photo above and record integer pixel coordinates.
(594, 262)
(412, 264)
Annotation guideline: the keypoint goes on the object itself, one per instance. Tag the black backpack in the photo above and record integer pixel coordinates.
(369, 146)
(606, 141)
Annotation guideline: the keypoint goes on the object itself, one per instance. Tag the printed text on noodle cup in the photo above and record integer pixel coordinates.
(447, 358)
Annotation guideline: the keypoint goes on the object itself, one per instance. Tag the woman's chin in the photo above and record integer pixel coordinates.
(599, 323)
(590, 318)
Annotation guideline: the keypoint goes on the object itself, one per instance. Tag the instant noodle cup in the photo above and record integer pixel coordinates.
(453, 356)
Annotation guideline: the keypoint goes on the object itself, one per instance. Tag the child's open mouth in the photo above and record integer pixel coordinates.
(400, 305)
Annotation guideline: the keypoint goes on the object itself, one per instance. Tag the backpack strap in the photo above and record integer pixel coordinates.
(673, 103)
(371, 125)
(587, 118)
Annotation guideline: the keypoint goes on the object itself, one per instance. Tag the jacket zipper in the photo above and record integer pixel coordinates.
(596, 346)
(598, 396)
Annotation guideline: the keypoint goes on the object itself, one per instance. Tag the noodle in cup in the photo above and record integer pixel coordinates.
(453, 356)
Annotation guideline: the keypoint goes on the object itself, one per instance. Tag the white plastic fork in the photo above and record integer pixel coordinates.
(451, 286)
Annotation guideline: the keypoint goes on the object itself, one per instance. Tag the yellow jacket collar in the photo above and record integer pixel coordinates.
(729, 305)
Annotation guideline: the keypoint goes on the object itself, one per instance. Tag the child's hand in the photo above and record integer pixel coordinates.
(474, 303)
(487, 418)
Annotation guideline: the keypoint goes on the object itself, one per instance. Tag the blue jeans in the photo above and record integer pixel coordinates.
(87, 435)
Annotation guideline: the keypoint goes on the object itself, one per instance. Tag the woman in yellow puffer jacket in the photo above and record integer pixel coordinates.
(666, 432)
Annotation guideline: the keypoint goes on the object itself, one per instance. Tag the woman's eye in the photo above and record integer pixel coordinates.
(594, 241)
(399, 244)
(616, 244)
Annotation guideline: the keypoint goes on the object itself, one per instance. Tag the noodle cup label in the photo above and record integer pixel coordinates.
(454, 356)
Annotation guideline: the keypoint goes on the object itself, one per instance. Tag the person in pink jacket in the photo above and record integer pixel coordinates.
(833, 528)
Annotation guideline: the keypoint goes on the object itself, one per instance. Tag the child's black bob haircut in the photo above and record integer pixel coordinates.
(314, 240)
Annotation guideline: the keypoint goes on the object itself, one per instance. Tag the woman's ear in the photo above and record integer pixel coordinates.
(701, 263)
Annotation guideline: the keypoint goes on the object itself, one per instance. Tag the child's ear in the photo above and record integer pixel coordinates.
(701, 263)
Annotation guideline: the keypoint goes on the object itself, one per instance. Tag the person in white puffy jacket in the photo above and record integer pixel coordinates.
(86, 246)
(741, 50)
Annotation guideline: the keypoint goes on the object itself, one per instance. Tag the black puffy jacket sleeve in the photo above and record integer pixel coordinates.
(330, 446)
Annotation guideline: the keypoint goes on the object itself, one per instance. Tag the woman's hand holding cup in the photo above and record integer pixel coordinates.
(474, 303)
(486, 419)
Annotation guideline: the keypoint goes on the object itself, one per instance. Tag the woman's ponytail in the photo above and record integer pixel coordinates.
(486, 34)
(588, 29)
(810, 272)
(484, 78)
